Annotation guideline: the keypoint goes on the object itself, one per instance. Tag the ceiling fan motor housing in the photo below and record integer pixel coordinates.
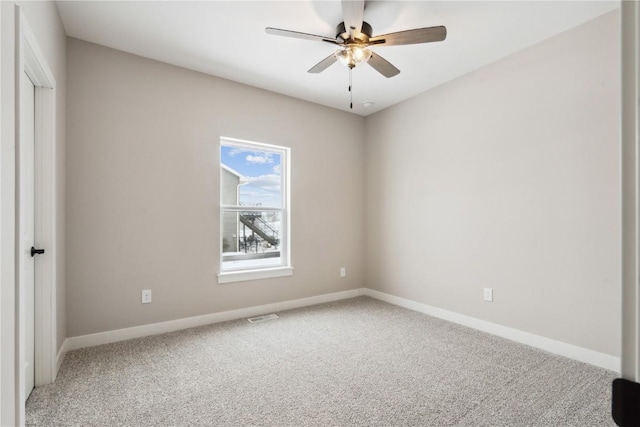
(365, 33)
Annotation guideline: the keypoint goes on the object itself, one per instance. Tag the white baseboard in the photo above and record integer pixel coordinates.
(581, 354)
(107, 337)
(60, 358)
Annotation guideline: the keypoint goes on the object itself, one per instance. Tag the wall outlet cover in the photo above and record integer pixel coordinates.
(146, 296)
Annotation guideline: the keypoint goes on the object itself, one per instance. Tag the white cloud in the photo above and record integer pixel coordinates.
(235, 151)
(276, 169)
(270, 182)
(260, 158)
(263, 190)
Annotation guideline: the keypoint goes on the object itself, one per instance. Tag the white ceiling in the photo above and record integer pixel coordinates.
(228, 39)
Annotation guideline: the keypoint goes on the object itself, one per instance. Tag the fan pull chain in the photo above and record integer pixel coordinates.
(350, 91)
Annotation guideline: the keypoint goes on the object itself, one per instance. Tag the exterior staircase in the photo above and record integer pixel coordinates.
(260, 227)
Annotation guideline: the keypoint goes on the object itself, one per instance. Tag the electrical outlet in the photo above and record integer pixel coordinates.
(488, 294)
(343, 271)
(146, 296)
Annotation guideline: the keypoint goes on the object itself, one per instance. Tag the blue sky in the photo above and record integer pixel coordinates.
(261, 169)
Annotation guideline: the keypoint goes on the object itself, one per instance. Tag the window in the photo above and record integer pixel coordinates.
(254, 211)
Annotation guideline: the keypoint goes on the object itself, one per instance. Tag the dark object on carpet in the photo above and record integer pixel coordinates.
(625, 404)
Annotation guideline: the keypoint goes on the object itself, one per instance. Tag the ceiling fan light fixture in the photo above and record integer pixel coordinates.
(352, 55)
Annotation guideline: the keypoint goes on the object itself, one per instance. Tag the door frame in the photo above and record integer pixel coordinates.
(8, 405)
(630, 157)
(31, 60)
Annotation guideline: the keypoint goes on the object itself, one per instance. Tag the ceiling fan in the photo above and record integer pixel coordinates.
(354, 37)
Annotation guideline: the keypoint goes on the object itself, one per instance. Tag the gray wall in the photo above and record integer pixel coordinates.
(47, 27)
(509, 178)
(143, 190)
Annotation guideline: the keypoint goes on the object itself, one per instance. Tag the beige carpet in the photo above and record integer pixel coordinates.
(357, 362)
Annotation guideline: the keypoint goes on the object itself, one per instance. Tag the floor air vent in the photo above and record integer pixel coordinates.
(262, 318)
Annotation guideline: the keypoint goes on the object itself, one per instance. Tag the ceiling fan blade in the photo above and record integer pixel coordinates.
(353, 12)
(382, 66)
(323, 65)
(299, 35)
(419, 35)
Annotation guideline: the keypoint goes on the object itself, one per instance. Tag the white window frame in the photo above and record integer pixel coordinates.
(285, 268)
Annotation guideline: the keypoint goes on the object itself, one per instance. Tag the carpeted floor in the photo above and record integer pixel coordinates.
(358, 362)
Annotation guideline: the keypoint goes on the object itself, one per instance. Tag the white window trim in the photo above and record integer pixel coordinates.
(244, 275)
(285, 269)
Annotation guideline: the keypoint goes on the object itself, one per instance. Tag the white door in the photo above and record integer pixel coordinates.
(27, 238)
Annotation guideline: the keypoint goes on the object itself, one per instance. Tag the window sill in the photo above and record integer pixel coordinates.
(244, 275)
